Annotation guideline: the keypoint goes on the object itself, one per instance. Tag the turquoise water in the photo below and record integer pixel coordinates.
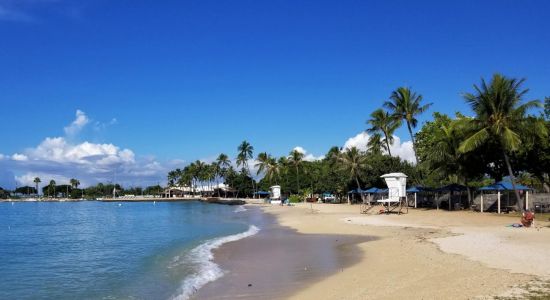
(96, 250)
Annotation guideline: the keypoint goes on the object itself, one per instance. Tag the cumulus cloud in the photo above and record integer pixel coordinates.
(60, 158)
(404, 150)
(359, 141)
(308, 156)
(19, 157)
(79, 122)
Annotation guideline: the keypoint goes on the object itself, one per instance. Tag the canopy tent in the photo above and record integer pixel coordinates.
(504, 185)
(261, 193)
(375, 190)
(415, 190)
(451, 188)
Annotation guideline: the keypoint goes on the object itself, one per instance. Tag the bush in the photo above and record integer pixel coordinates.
(295, 199)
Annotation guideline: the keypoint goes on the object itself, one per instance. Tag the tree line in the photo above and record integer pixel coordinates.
(506, 136)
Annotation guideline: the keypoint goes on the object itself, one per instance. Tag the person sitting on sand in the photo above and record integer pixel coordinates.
(527, 218)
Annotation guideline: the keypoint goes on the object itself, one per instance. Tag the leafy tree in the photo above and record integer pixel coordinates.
(407, 105)
(51, 190)
(501, 117)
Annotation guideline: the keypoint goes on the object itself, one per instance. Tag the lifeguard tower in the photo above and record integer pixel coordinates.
(397, 193)
(275, 196)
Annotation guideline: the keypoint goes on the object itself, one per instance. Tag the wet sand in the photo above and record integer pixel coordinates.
(279, 261)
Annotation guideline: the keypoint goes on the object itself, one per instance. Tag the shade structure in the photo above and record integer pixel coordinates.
(375, 190)
(504, 185)
(415, 189)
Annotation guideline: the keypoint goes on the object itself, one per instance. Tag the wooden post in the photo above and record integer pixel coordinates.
(498, 199)
(481, 208)
(450, 198)
(414, 200)
(526, 200)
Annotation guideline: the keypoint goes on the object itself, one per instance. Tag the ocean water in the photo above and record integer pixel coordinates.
(97, 250)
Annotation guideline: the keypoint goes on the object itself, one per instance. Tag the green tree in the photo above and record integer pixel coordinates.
(407, 105)
(501, 116)
(381, 122)
(295, 159)
(246, 152)
(353, 163)
(36, 182)
(51, 188)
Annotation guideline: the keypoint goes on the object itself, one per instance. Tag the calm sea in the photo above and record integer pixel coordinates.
(96, 250)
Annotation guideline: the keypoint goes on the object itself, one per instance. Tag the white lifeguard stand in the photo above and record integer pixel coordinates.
(397, 192)
(275, 194)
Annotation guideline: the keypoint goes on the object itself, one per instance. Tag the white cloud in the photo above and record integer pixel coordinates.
(403, 150)
(60, 158)
(359, 141)
(80, 121)
(19, 157)
(308, 156)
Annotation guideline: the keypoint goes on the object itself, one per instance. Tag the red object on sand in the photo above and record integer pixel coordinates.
(527, 218)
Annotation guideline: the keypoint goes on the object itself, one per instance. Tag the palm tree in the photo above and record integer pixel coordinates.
(51, 187)
(273, 169)
(245, 153)
(262, 161)
(501, 117)
(223, 163)
(36, 182)
(353, 162)
(406, 105)
(382, 122)
(375, 144)
(296, 158)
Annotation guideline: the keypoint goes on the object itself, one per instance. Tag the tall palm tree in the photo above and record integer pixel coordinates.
(273, 169)
(51, 187)
(295, 159)
(501, 117)
(407, 105)
(382, 122)
(353, 162)
(261, 162)
(36, 182)
(246, 152)
(223, 163)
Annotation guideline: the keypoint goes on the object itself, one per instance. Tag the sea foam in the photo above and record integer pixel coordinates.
(240, 208)
(207, 270)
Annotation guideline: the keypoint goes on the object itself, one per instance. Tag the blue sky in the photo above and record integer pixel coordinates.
(175, 81)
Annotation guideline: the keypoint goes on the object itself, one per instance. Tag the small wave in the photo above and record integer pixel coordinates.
(207, 270)
(240, 208)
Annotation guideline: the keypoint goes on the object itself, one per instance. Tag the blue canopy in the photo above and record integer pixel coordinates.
(504, 186)
(375, 190)
(415, 189)
(261, 193)
(357, 191)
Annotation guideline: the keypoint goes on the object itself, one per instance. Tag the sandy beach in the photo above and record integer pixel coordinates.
(425, 254)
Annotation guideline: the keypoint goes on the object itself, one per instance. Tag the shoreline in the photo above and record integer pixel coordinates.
(424, 254)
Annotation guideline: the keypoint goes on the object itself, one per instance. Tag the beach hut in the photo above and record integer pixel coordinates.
(504, 185)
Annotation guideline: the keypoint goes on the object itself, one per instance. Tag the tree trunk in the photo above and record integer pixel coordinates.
(413, 141)
(358, 190)
(387, 144)
(511, 174)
